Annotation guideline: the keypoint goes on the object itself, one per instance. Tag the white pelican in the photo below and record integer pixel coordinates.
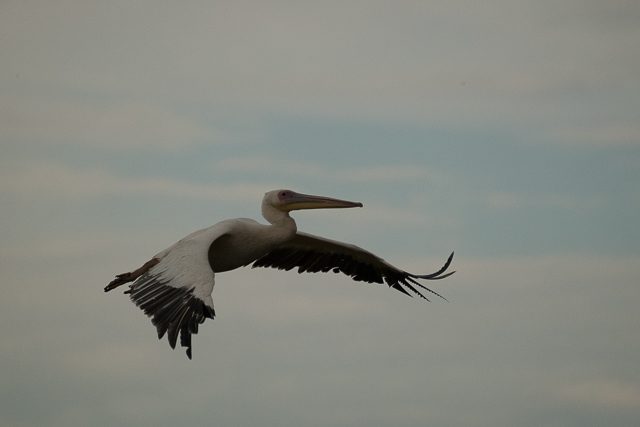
(174, 287)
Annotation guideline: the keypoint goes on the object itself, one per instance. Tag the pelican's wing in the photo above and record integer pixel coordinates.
(176, 292)
(311, 253)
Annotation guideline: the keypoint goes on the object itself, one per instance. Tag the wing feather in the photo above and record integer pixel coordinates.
(309, 253)
(176, 292)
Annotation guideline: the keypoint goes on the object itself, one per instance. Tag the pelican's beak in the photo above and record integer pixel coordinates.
(297, 201)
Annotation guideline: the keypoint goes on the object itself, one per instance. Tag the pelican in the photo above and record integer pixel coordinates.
(174, 287)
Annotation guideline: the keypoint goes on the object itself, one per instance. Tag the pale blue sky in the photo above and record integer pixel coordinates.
(507, 131)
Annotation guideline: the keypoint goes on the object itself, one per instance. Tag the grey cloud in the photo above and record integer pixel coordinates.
(547, 339)
(288, 347)
(430, 62)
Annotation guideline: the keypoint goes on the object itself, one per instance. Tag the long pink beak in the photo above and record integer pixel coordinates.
(298, 201)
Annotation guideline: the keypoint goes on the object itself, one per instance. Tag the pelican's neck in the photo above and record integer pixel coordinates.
(278, 218)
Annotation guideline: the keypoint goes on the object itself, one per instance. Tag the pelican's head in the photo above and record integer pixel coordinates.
(287, 200)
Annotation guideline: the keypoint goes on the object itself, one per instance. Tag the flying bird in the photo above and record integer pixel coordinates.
(174, 287)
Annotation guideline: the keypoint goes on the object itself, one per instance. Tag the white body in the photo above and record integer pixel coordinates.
(186, 263)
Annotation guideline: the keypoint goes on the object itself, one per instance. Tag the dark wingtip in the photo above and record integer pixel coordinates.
(444, 276)
(112, 284)
(438, 274)
(120, 280)
(450, 258)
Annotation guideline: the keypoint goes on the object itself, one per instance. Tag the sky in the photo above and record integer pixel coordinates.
(506, 131)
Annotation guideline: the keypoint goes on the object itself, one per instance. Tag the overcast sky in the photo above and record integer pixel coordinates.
(507, 131)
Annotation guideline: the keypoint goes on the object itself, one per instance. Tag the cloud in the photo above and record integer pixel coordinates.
(520, 340)
(298, 168)
(68, 247)
(47, 179)
(604, 393)
(43, 181)
(429, 63)
(317, 334)
(117, 126)
(505, 200)
(603, 135)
